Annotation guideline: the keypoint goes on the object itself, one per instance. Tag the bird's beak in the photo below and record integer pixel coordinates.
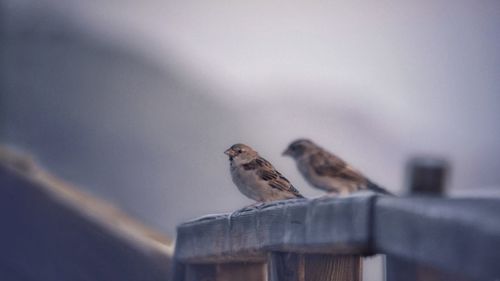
(229, 152)
(286, 152)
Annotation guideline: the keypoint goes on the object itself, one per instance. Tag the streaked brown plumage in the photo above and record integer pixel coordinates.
(256, 178)
(326, 171)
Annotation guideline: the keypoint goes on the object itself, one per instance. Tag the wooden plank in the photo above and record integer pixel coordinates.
(200, 272)
(403, 270)
(333, 268)
(286, 267)
(398, 269)
(50, 231)
(457, 236)
(314, 267)
(325, 225)
(177, 271)
(242, 272)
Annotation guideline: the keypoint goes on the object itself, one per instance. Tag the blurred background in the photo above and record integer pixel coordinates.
(135, 101)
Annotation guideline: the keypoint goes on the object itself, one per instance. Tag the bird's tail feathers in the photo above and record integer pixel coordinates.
(376, 188)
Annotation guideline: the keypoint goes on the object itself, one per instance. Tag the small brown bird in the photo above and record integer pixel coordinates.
(326, 171)
(256, 178)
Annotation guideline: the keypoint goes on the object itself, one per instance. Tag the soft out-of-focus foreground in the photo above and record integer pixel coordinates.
(135, 101)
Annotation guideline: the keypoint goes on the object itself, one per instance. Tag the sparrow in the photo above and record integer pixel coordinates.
(326, 171)
(256, 178)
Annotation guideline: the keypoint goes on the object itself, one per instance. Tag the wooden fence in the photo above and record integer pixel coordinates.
(326, 239)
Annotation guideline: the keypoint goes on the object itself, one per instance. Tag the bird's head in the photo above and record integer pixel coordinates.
(241, 153)
(298, 148)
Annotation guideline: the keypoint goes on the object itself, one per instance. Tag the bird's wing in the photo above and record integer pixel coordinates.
(258, 163)
(275, 179)
(329, 165)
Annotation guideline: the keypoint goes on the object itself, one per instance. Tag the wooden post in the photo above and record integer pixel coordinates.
(225, 272)
(199, 272)
(242, 271)
(426, 176)
(333, 268)
(286, 267)
(314, 267)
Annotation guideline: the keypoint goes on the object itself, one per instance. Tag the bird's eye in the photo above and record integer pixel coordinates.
(240, 150)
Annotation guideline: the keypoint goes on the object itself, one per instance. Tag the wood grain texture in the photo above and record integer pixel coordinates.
(242, 272)
(333, 268)
(286, 267)
(456, 236)
(325, 225)
(314, 267)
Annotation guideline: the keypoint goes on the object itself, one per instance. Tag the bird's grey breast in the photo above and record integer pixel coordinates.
(245, 181)
(304, 167)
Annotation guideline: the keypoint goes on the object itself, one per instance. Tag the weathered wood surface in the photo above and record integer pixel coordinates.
(286, 267)
(244, 271)
(332, 268)
(453, 236)
(424, 176)
(333, 225)
(199, 272)
(457, 236)
(313, 267)
(50, 231)
(241, 272)
(401, 269)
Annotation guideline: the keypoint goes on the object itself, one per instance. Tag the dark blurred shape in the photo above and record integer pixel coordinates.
(2, 66)
(426, 175)
(51, 231)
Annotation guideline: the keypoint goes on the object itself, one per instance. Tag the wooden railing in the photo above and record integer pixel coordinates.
(51, 231)
(325, 239)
